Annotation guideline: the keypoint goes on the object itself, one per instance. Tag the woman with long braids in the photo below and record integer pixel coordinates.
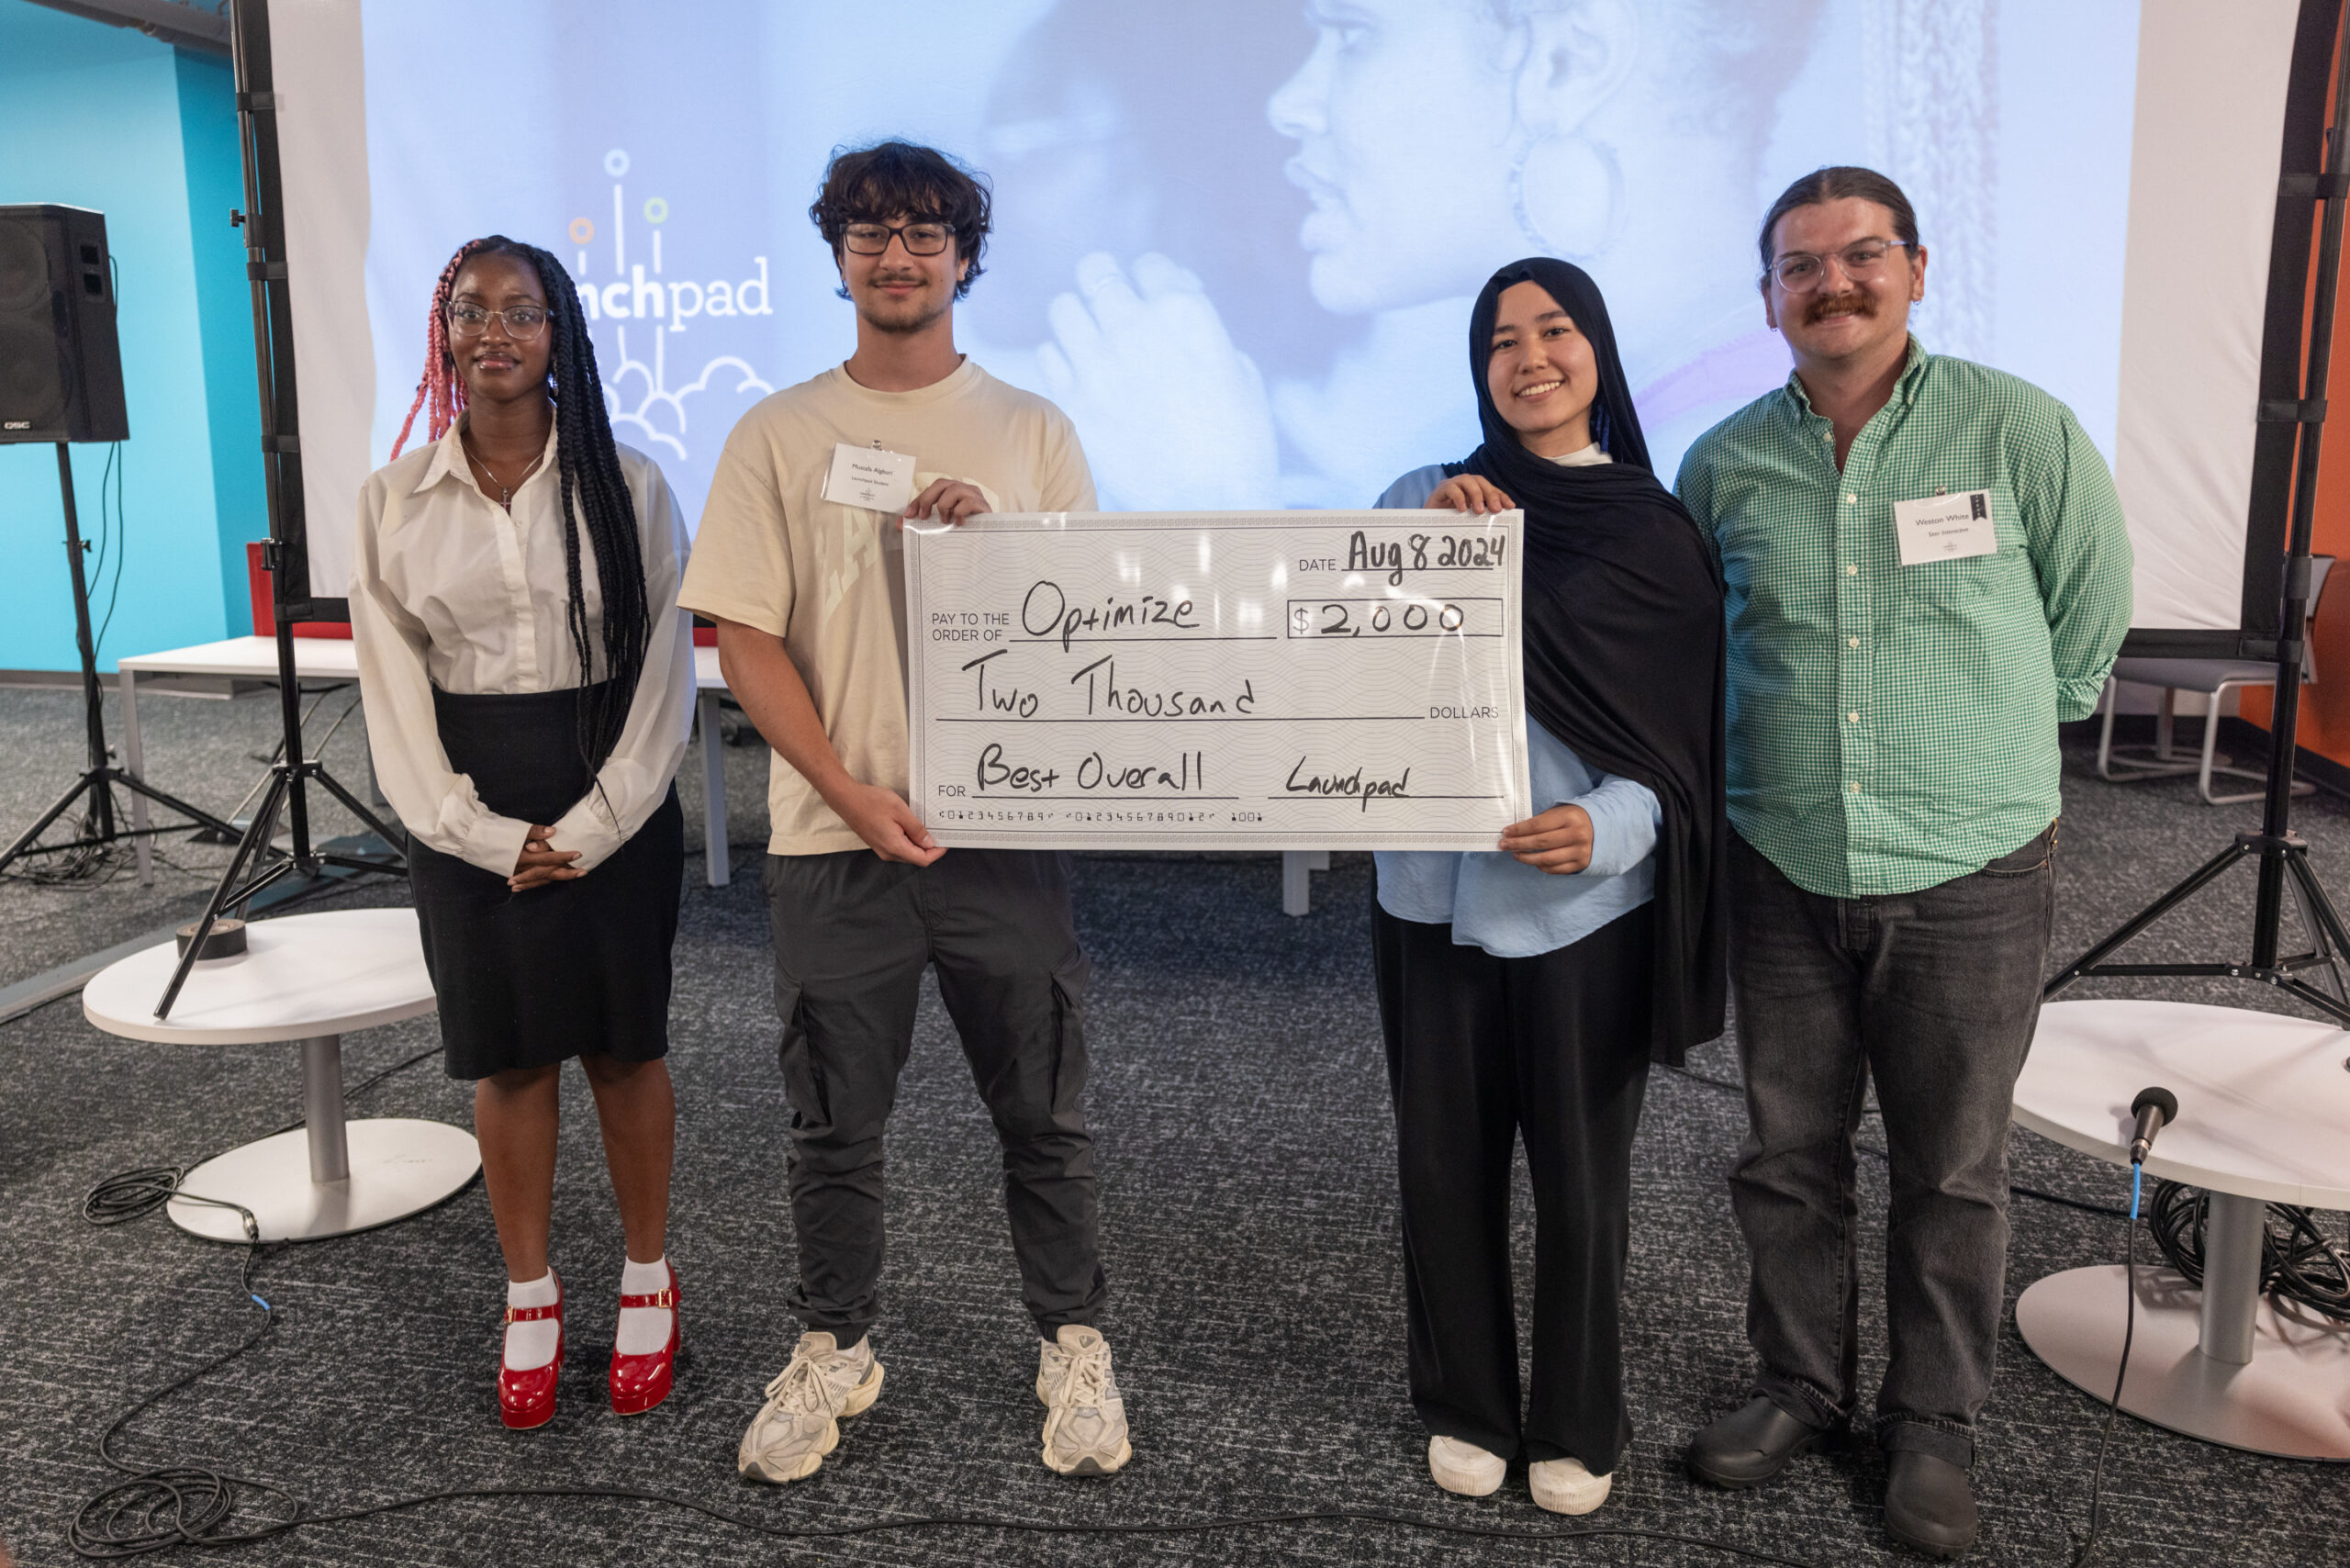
(529, 685)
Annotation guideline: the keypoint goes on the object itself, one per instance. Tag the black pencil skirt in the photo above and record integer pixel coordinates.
(571, 969)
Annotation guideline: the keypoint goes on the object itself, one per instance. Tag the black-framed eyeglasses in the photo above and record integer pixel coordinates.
(1800, 272)
(523, 323)
(918, 239)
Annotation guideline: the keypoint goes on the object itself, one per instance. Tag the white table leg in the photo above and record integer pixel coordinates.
(2281, 1384)
(134, 762)
(1297, 888)
(323, 1108)
(2231, 1233)
(714, 785)
(328, 1177)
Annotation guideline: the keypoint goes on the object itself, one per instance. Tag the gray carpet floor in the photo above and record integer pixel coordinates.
(1250, 1235)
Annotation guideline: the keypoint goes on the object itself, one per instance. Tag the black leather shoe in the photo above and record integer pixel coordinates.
(1751, 1444)
(1929, 1503)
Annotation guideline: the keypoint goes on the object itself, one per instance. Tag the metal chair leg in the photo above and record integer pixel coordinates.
(2124, 770)
(2111, 701)
(2211, 767)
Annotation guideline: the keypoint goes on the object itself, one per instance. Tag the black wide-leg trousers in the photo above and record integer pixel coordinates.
(1481, 1051)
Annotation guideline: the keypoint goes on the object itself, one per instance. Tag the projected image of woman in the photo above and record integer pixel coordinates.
(1432, 135)
(1523, 990)
(529, 687)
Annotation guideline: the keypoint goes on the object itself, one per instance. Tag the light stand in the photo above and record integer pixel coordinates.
(2282, 854)
(98, 780)
(283, 554)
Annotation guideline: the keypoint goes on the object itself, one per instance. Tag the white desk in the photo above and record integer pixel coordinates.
(333, 659)
(2264, 1117)
(308, 979)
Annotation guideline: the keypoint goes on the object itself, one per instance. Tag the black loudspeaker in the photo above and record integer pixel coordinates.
(60, 365)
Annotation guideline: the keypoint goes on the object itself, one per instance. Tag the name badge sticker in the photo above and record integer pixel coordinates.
(869, 476)
(1945, 528)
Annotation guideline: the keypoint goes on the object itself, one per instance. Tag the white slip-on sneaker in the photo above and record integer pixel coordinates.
(800, 1424)
(1564, 1486)
(1464, 1468)
(1085, 1420)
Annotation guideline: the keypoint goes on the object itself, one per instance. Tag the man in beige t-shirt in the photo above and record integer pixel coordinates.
(807, 591)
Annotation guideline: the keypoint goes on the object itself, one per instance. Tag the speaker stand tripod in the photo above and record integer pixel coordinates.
(288, 781)
(2281, 855)
(97, 782)
(289, 587)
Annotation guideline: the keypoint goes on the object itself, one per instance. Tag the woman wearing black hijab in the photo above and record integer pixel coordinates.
(1526, 989)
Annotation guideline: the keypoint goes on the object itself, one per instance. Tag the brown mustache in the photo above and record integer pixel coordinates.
(1856, 302)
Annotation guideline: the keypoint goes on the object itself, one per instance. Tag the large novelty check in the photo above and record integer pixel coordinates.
(1217, 680)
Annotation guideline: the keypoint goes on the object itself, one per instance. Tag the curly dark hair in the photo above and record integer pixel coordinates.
(873, 184)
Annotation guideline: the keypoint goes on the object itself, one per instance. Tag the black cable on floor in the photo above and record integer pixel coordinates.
(127, 1195)
(2113, 1405)
(193, 1505)
(2303, 1265)
(171, 1505)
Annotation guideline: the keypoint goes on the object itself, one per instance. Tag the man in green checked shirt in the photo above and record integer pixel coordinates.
(1925, 570)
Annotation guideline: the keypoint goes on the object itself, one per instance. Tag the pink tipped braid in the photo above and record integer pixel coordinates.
(440, 383)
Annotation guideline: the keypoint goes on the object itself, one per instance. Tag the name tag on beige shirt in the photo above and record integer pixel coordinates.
(869, 476)
(1944, 528)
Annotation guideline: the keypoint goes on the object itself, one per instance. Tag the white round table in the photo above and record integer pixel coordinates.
(2264, 1117)
(308, 979)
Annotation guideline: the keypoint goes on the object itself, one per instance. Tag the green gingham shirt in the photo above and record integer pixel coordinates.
(1892, 727)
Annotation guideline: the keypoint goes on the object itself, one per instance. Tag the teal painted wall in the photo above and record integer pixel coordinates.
(216, 184)
(101, 116)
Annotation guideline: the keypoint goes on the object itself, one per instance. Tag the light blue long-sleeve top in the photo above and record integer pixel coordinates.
(1498, 902)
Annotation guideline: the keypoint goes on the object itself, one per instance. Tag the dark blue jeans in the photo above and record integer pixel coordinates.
(1935, 995)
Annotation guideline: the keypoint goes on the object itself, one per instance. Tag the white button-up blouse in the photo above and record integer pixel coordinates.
(451, 591)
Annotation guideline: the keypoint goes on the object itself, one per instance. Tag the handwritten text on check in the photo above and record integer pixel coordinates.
(1206, 680)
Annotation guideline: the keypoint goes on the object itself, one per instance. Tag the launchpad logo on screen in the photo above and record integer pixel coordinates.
(661, 322)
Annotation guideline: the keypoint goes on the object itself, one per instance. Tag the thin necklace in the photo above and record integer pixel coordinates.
(505, 491)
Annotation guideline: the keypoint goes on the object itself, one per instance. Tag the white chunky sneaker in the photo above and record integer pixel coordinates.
(1464, 1468)
(799, 1425)
(1085, 1420)
(1564, 1486)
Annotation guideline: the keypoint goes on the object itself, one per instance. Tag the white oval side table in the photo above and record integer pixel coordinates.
(310, 980)
(2264, 1117)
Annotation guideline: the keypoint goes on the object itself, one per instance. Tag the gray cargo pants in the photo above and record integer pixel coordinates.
(853, 932)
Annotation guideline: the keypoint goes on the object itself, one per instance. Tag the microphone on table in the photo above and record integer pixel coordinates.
(2155, 1108)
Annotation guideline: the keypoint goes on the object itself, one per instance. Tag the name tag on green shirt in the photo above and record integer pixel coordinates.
(1944, 528)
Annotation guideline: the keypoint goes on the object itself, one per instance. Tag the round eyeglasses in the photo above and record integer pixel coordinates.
(1800, 272)
(523, 323)
(920, 238)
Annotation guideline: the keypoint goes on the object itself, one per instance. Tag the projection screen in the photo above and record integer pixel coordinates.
(1303, 204)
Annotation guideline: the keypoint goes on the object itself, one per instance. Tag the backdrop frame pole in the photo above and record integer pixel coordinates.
(2282, 854)
(284, 553)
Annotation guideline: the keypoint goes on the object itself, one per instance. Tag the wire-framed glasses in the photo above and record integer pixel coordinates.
(1800, 272)
(523, 323)
(920, 238)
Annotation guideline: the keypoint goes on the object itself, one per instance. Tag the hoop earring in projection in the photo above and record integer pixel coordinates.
(1574, 173)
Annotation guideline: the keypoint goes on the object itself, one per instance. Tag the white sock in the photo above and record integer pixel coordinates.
(645, 1330)
(532, 1344)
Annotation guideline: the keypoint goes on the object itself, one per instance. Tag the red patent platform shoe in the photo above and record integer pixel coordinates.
(526, 1399)
(639, 1383)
